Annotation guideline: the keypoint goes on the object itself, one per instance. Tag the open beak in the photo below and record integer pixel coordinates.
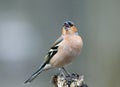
(68, 24)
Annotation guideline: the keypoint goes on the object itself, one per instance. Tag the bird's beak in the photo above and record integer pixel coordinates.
(68, 24)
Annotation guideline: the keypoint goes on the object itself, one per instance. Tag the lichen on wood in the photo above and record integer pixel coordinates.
(73, 80)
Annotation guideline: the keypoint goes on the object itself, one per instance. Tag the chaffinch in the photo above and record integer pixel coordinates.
(63, 51)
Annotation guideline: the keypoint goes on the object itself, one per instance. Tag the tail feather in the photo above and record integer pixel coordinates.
(34, 75)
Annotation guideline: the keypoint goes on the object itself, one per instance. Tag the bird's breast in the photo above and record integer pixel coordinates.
(67, 51)
(72, 45)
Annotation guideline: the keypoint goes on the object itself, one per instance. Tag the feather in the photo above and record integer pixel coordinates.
(45, 65)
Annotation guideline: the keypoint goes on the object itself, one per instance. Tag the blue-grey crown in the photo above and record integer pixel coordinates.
(68, 24)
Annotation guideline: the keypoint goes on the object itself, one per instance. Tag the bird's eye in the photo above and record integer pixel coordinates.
(70, 23)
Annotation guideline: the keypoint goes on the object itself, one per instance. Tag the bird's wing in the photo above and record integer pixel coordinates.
(45, 65)
(58, 41)
(54, 49)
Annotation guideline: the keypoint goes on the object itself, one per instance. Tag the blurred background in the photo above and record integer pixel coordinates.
(29, 27)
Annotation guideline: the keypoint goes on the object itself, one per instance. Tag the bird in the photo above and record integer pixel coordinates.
(63, 51)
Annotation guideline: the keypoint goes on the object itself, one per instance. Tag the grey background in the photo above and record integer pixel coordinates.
(29, 27)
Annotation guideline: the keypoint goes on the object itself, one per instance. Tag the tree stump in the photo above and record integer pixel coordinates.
(73, 80)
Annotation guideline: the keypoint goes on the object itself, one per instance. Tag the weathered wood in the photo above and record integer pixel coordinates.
(73, 80)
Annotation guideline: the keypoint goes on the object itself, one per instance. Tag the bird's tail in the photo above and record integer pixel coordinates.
(34, 75)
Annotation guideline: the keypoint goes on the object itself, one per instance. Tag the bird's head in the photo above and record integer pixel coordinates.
(69, 28)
